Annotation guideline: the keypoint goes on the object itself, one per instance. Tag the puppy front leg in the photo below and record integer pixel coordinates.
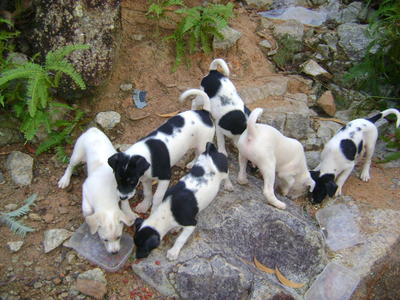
(269, 179)
(228, 186)
(173, 253)
(159, 194)
(242, 176)
(341, 179)
(126, 209)
(76, 158)
(143, 206)
(369, 151)
(286, 184)
(220, 140)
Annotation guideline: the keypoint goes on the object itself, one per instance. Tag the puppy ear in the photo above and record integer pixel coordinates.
(112, 160)
(153, 242)
(138, 223)
(93, 222)
(210, 147)
(331, 188)
(314, 175)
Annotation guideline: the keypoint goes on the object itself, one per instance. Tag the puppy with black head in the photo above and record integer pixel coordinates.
(100, 201)
(153, 156)
(352, 142)
(227, 108)
(182, 203)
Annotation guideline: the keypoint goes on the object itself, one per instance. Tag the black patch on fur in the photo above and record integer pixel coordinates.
(183, 204)
(127, 170)
(138, 223)
(197, 171)
(219, 159)
(247, 111)
(351, 134)
(233, 121)
(160, 161)
(324, 185)
(146, 239)
(348, 148)
(173, 123)
(375, 118)
(343, 128)
(225, 100)
(205, 117)
(360, 146)
(212, 83)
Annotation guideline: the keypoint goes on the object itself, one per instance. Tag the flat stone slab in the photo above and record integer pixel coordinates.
(92, 248)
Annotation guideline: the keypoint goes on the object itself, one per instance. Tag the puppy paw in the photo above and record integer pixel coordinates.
(365, 176)
(228, 186)
(242, 181)
(63, 182)
(172, 254)
(278, 204)
(131, 218)
(338, 192)
(190, 165)
(142, 207)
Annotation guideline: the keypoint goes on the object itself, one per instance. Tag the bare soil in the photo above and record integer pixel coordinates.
(145, 61)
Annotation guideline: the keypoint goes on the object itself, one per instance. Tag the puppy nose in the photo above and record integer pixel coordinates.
(123, 197)
(114, 252)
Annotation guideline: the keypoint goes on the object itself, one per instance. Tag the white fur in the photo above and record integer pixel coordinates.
(274, 154)
(194, 134)
(99, 191)
(333, 160)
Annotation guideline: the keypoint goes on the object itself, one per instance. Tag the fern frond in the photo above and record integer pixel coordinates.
(67, 68)
(34, 91)
(15, 226)
(59, 54)
(23, 210)
(25, 71)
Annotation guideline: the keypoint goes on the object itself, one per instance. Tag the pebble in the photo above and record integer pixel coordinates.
(11, 207)
(126, 87)
(37, 285)
(34, 217)
(15, 246)
(28, 263)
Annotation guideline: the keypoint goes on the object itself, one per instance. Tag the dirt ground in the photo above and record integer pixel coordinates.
(145, 62)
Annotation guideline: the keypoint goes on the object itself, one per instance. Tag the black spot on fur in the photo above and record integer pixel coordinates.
(233, 121)
(183, 204)
(324, 186)
(358, 128)
(197, 171)
(160, 161)
(351, 134)
(343, 128)
(225, 100)
(360, 146)
(247, 111)
(173, 123)
(212, 83)
(127, 170)
(205, 117)
(219, 159)
(375, 118)
(348, 148)
(146, 239)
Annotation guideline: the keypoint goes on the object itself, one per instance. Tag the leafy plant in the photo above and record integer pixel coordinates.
(158, 10)
(198, 26)
(14, 225)
(287, 47)
(393, 143)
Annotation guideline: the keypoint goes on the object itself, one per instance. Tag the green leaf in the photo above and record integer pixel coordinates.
(23, 210)
(67, 68)
(55, 56)
(26, 71)
(15, 226)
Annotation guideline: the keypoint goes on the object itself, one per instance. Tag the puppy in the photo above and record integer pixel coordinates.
(273, 153)
(153, 156)
(182, 203)
(100, 201)
(340, 154)
(227, 108)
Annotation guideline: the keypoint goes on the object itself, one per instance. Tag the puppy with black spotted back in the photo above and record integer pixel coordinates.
(227, 108)
(153, 156)
(352, 142)
(182, 203)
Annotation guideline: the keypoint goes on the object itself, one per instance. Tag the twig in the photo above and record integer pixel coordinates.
(330, 119)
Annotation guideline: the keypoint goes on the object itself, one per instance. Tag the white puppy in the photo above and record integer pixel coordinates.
(182, 203)
(340, 154)
(153, 156)
(273, 153)
(227, 108)
(100, 202)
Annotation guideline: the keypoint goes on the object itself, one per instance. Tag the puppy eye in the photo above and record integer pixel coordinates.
(106, 240)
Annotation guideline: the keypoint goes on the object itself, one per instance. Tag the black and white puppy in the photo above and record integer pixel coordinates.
(153, 156)
(227, 108)
(100, 201)
(339, 156)
(182, 203)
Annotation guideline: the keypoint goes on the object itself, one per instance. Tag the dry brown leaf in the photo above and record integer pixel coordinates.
(286, 281)
(139, 118)
(330, 119)
(168, 115)
(263, 268)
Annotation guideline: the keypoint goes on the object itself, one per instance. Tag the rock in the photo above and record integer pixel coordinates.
(331, 40)
(126, 87)
(108, 119)
(18, 58)
(230, 36)
(312, 158)
(15, 246)
(20, 167)
(96, 23)
(291, 27)
(327, 130)
(300, 14)
(34, 217)
(92, 283)
(353, 13)
(312, 68)
(37, 285)
(214, 261)
(265, 46)
(353, 39)
(11, 207)
(122, 147)
(2, 179)
(275, 86)
(54, 238)
(297, 125)
(327, 103)
(259, 4)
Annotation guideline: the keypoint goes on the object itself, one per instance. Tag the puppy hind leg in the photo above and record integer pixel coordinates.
(341, 179)
(242, 176)
(286, 184)
(77, 157)
(220, 140)
(269, 179)
(126, 209)
(143, 206)
(173, 253)
(369, 151)
(159, 194)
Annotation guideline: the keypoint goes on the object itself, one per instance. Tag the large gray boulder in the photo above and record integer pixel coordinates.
(216, 262)
(353, 40)
(92, 22)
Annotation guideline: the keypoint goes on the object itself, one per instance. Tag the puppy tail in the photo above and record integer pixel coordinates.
(198, 93)
(251, 121)
(384, 113)
(220, 62)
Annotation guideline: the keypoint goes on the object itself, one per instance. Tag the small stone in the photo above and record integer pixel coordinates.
(37, 285)
(259, 4)
(54, 237)
(92, 283)
(138, 37)
(2, 179)
(312, 68)
(266, 46)
(230, 36)
(11, 207)
(108, 119)
(57, 281)
(327, 103)
(34, 217)
(28, 263)
(15, 246)
(20, 166)
(126, 87)
(292, 28)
